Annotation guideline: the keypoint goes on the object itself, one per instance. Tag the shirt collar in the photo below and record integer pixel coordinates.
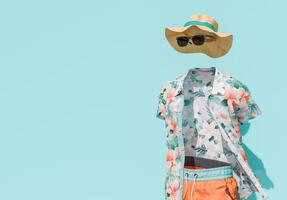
(215, 85)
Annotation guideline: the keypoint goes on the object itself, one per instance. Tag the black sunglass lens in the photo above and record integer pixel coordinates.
(182, 41)
(198, 39)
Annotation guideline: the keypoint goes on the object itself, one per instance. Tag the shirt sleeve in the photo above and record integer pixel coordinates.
(161, 106)
(247, 108)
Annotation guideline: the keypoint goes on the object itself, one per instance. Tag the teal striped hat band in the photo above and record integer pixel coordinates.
(194, 22)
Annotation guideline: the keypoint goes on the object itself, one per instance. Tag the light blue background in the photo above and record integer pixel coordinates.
(79, 82)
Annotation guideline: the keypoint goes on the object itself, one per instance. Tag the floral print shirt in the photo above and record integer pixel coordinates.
(202, 110)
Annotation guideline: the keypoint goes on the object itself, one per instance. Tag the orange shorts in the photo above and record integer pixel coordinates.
(215, 183)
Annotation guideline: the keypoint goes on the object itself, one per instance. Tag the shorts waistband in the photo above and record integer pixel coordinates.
(208, 174)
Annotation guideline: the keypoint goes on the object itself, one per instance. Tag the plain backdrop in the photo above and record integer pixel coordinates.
(78, 93)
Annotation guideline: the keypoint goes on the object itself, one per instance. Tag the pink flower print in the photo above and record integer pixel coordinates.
(162, 109)
(242, 116)
(172, 189)
(176, 170)
(177, 153)
(172, 124)
(223, 115)
(242, 152)
(170, 95)
(211, 148)
(243, 105)
(212, 105)
(236, 126)
(254, 114)
(231, 94)
(230, 106)
(169, 159)
(244, 94)
(175, 105)
(209, 128)
(199, 104)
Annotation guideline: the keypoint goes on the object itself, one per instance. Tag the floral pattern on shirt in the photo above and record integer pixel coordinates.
(230, 99)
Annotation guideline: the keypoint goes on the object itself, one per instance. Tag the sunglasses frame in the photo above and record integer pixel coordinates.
(207, 38)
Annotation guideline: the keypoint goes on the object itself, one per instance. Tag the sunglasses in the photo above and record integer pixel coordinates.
(182, 41)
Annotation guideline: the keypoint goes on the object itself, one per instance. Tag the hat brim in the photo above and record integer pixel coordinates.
(216, 48)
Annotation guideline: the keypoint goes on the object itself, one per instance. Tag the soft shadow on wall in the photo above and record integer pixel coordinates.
(256, 164)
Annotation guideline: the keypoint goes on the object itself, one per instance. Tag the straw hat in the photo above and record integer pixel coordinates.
(196, 25)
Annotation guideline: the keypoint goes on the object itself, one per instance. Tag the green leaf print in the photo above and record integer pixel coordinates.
(227, 152)
(172, 142)
(240, 142)
(187, 102)
(178, 159)
(185, 123)
(224, 102)
(209, 120)
(209, 84)
(215, 99)
(235, 83)
(194, 79)
(245, 88)
(253, 107)
(199, 93)
(201, 150)
(211, 138)
(173, 84)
